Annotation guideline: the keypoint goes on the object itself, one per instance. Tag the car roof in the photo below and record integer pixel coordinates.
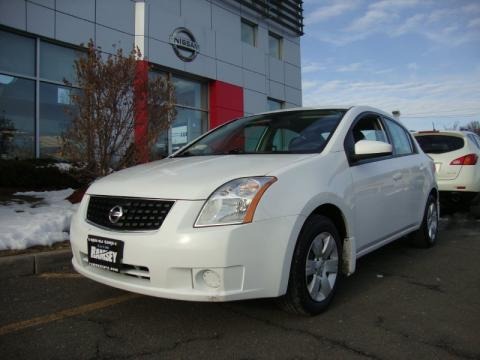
(360, 108)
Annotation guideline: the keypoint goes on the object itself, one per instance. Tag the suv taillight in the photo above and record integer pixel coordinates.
(470, 159)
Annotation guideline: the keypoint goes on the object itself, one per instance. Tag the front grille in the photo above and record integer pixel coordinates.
(131, 214)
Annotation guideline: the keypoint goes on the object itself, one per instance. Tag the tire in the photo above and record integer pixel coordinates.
(426, 235)
(316, 268)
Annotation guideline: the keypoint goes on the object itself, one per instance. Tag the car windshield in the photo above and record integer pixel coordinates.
(439, 144)
(289, 132)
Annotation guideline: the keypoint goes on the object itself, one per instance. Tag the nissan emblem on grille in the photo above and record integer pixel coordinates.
(115, 214)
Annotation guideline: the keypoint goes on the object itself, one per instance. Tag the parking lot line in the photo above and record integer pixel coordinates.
(79, 310)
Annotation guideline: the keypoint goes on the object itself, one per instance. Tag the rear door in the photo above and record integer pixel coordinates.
(413, 168)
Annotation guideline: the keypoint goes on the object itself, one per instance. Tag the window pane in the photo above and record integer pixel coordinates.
(188, 125)
(248, 33)
(17, 117)
(189, 93)
(274, 46)
(57, 62)
(400, 140)
(17, 53)
(439, 144)
(274, 104)
(54, 117)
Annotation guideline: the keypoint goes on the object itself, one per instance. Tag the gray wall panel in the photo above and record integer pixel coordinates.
(293, 76)
(48, 3)
(276, 70)
(202, 66)
(197, 12)
(13, 13)
(110, 40)
(254, 102)
(291, 52)
(254, 81)
(84, 9)
(253, 58)
(276, 90)
(228, 49)
(229, 73)
(171, 7)
(161, 24)
(117, 14)
(293, 96)
(40, 20)
(73, 30)
(226, 22)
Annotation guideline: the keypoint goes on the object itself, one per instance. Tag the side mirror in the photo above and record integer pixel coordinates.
(365, 149)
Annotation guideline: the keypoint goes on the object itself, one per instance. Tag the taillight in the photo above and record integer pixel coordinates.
(470, 159)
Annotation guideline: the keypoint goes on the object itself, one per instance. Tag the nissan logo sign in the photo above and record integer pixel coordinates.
(115, 214)
(184, 44)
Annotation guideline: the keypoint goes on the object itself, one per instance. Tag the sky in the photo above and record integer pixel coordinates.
(421, 57)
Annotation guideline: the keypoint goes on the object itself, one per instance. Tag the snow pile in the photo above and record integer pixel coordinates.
(44, 221)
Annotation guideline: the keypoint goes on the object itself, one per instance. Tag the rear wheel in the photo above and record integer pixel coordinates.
(315, 270)
(426, 235)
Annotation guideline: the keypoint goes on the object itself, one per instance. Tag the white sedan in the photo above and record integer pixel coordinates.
(279, 204)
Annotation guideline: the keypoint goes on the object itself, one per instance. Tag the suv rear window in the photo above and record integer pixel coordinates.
(439, 144)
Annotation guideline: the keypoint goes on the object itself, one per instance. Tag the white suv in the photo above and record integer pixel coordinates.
(456, 156)
(274, 205)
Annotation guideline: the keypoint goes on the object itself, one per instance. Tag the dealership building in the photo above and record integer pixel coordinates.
(226, 58)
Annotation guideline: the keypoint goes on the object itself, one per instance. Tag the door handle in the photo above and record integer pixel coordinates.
(397, 176)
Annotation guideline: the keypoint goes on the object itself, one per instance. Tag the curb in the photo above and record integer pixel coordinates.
(34, 264)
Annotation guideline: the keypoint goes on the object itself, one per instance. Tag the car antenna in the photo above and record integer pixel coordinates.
(433, 125)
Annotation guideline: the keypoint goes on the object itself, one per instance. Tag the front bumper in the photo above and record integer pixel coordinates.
(179, 261)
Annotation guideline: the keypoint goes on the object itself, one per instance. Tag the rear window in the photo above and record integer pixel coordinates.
(439, 144)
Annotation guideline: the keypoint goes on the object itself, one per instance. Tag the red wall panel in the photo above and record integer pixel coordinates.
(226, 102)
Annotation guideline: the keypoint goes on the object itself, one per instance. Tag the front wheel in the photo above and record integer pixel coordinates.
(315, 270)
(426, 235)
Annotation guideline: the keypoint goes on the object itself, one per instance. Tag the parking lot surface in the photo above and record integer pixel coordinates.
(401, 303)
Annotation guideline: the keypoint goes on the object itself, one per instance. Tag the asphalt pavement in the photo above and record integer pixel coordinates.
(401, 303)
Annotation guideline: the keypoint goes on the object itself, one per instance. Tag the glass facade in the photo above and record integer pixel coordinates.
(249, 32)
(17, 117)
(191, 119)
(275, 45)
(275, 104)
(31, 121)
(36, 107)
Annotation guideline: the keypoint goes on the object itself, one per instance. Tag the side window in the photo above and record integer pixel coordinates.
(369, 128)
(281, 140)
(474, 140)
(400, 139)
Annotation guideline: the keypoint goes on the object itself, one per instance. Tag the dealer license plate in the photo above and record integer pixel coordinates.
(105, 253)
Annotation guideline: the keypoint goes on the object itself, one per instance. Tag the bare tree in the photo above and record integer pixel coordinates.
(473, 126)
(101, 134)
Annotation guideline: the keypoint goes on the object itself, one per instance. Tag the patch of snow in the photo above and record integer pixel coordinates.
(43, 222)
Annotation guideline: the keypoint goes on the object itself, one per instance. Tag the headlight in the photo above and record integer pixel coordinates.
(234, 202)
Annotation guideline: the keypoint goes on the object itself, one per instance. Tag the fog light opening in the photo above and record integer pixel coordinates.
(211, 278)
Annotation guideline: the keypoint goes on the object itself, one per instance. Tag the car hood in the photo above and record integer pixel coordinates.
(189, 178)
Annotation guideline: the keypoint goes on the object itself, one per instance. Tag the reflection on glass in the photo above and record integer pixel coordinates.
(17, 53)
(57, 62)
(188, 125)
(248, 33)
(189, 93)
(274, 44)
(17, 117)
(274, 104)
(55, 105)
